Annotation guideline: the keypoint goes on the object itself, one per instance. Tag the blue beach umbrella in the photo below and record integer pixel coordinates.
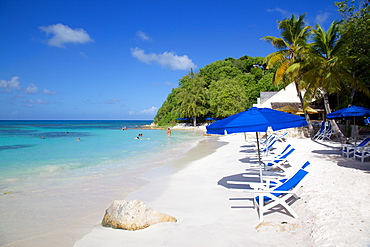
(350, 112)
(256, 120)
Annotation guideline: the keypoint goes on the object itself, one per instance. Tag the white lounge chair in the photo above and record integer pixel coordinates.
(280, 159)
(349, 149)
(266, 198)
(326, 133)
(269, 144)
(320, 131)
(362, 153)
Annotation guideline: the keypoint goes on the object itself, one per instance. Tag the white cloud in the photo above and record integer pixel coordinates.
(284, 12)
(32, 102)
(322, 17)
(151, 111)
(112, 101)
(9, 85)
(31, 89)
(167, 59)
(142, 35)
(63, 34)
(167, 83)
(82, 54)
(48, 92)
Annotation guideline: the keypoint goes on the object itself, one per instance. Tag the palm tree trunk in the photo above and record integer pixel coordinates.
(311, 130)
(353, 91)
(337, 132)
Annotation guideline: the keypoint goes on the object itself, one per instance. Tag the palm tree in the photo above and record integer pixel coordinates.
(192, 97)
(326, 70)
(292, 45)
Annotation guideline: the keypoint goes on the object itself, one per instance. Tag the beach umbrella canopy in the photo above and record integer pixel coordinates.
(309, 110)
(352, 111)
(256, 120)
(287, 108)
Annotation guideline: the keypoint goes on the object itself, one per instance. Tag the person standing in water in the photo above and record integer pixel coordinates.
(168, 132)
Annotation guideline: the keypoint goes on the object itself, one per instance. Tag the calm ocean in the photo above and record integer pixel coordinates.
(45, 149)
(54, 189)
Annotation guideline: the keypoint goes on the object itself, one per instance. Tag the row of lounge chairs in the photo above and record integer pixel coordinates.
(324, 133)
(361, 151)
(267, 144)
(276, 188)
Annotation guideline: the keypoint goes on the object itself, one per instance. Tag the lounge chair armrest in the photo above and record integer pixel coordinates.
(362, 149)
(347, 145)
(275, 191)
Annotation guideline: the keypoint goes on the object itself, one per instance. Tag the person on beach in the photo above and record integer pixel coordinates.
(168, 132)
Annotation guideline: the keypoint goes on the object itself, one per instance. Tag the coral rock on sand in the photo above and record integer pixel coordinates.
(133, 215)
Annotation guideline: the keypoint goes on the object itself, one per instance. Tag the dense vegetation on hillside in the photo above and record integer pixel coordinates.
(218, 90)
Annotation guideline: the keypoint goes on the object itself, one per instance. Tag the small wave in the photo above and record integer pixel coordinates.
(15, 147)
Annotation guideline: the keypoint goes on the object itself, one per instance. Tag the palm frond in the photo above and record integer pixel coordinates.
(278, 43)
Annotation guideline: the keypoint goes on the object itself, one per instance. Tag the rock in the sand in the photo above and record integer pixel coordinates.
(133, 215)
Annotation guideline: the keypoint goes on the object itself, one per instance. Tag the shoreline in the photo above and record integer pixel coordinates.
(210, 214)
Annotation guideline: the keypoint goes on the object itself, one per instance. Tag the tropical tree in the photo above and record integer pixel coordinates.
(227, 97)
(325, 69)
(192, 97)
(292, 45)
(355, 32)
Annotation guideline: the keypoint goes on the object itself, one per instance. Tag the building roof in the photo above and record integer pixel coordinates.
(286, 96)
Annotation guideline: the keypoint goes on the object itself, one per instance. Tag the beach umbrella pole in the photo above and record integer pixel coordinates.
(259, 156)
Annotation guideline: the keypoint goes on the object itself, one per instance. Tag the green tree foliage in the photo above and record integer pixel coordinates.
(355, 32)
(324, 69)
(227, 97)
(192, 97)
(220, 89)
(168, 111)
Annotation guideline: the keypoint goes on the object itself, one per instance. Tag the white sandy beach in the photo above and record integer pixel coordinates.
(333, 206)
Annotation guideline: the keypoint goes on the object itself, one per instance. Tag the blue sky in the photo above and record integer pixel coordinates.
(108, 59)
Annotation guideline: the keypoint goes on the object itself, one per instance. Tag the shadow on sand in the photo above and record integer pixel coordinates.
(342, 161)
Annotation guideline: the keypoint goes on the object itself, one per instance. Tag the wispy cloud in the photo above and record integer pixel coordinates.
(142, 35)
(32, 102)
(283, 12)
(48, 92)
(13, 83)
(82, 54)
(63, 34)
(166, 59)
(112, 101)
(322, 17)
(31, 89)
(150, 111)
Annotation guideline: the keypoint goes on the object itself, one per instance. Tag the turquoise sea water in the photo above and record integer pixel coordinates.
(55, 188)
(31, 149)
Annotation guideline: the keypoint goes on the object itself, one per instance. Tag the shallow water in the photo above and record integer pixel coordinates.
(55, 187)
